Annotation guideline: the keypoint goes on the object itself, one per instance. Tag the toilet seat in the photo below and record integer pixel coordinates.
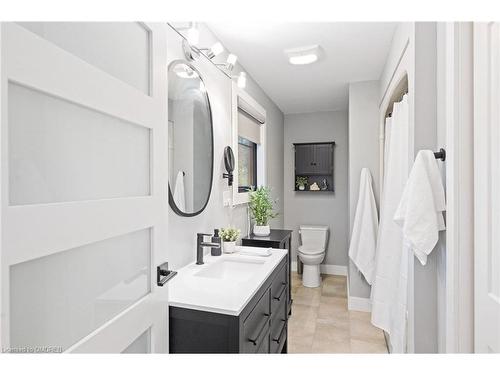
(310, 251)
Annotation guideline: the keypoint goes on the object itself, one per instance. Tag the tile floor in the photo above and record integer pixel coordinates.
(321, 323)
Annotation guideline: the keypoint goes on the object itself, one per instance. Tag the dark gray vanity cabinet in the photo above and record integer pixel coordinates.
(277, 239)
(314, 161)
(261, 327)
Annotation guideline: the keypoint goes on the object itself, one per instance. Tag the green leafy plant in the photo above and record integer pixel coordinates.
(261, 206)
(301, 181)
(229, 234)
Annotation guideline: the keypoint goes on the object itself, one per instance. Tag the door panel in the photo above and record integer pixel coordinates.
(322, 159)
(487, 186)
(83, 186)
(304, 155)
(102, 44)
(44, 306)
(63, 152)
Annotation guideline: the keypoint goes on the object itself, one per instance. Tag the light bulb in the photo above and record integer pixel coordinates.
(231, 60)
(216, 49)
(193, 34)
(242, 80)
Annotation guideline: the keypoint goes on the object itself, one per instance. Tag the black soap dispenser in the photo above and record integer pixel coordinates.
(216, 251)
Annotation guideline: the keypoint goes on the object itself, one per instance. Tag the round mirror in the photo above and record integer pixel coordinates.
(190, 137)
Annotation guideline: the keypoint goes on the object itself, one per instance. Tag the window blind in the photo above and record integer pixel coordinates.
(248, 127)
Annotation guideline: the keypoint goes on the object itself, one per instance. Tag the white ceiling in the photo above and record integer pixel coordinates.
(353, 51)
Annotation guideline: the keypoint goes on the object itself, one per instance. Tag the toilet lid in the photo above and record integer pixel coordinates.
(310, 251)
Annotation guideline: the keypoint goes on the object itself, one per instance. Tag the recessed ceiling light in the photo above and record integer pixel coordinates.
(303, 55)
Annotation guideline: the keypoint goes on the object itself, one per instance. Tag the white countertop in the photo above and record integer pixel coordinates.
(223, 296)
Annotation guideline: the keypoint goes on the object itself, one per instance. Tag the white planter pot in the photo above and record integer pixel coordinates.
(261, 230)
(302, 188)
(229, 247)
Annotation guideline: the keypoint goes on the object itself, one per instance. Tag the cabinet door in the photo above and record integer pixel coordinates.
(304, 159)
(323, 160)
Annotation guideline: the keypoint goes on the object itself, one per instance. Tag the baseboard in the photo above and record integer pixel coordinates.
(359, 304)
(328, 269)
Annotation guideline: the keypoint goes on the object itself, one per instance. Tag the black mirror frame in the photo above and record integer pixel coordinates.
(171, 201)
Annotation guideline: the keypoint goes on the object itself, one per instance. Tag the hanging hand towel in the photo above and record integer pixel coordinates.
(420, 211)
(179, 195)
(365, 227)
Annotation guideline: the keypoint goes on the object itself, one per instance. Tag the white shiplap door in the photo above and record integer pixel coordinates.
(83, 187)
(487, 187)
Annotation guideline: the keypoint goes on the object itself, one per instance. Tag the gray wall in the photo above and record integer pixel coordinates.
(425, 278)
(182, 230)
(319, 208)
(363, 153)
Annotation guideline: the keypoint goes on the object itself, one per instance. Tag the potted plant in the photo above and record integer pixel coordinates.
(301, 182)
(229, 237)
(261, 210)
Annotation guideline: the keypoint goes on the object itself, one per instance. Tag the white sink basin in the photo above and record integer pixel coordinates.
(231, 269)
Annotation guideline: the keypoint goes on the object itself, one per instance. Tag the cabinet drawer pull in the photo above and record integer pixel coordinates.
(278, 298)
(266, 321)
(277, 339)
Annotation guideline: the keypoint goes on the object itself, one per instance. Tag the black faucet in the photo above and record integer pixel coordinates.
(215, 244)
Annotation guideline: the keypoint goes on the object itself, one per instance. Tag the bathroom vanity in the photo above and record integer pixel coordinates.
(278, 239)
(231, 304)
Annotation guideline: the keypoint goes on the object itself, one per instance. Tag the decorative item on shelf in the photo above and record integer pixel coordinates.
(301, 182)
(314, 187)
(324, 184)
(261, 210)
(229, 236)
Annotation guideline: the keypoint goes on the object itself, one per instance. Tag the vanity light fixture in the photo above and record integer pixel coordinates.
(190, 52)
(303, 55)
(230, 62)
(242, 80)
(213, 51)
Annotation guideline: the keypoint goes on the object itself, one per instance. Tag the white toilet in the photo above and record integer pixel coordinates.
(312, 252)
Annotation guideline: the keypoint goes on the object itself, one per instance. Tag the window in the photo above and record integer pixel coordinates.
(247, 165)
(248, 144)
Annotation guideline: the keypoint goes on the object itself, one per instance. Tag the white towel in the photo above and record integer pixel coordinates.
(255, 251)
(365, 228)
(179, 194)
(420, 211)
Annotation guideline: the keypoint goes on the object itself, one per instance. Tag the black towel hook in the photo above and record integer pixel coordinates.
(441, 154)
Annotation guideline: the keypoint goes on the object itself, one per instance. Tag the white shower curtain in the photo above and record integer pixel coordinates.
(389, 290)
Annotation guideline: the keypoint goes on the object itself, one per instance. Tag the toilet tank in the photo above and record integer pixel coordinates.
(314, 236)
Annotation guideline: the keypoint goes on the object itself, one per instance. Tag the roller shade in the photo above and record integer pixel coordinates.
(248, 127)
(250, 111)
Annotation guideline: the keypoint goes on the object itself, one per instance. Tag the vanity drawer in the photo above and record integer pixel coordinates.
(256, 325)
(278, 338)
(264, 346)
(278, 326)
(279, 289)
